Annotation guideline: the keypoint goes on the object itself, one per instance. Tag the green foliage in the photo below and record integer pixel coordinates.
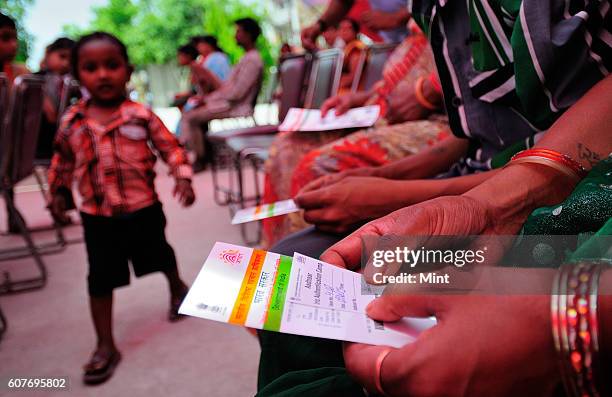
(16, 9)
(153, 29)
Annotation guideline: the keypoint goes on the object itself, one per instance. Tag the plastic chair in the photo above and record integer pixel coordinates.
(17, 145)
(70, 93)
(378, 54)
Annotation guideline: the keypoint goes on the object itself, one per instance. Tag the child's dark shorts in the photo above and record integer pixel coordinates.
(111, 241)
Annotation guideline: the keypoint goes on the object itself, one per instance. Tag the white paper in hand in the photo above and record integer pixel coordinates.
(264, 211)
(300, 296)
(311, 120)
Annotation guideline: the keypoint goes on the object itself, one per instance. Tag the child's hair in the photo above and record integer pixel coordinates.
(63, 43)
(93, 37)
(189, 50)
(6, 21)
(250, 26)
(210, 40)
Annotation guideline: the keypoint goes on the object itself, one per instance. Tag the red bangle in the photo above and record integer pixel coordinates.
(552, 158)
(435, 83)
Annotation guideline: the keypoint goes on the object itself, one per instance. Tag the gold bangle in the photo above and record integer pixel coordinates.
(378, 373)
(420, 97)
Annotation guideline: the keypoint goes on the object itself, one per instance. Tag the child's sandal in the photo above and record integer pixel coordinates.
(99, 369)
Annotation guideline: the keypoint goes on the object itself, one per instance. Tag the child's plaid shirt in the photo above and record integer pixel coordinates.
(113, 164)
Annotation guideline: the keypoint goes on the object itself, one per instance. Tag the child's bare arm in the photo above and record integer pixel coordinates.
(175, 156)
(169, 149)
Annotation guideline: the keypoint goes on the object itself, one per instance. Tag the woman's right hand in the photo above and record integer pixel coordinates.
(443, 216)
(332, 179)
(340, 103)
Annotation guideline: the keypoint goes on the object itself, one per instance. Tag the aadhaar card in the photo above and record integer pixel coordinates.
(299, 295)
(310, 120)
(264, 211)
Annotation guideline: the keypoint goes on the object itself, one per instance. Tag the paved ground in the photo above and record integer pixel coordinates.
(50, 333)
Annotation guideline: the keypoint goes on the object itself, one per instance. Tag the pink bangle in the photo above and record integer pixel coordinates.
(553, 159)
(379, 362)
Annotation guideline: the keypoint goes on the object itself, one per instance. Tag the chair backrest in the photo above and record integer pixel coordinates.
(3, 99)
(70, 92)
(21, 127)
(377, 57)
(324, 77)
(292, 74)
(361, 65)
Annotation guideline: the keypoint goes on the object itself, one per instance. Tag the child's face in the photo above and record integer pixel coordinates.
(8, 44)
(103, 70)
(183, 59)
(204, 48)
(58, 61)
(346, 32)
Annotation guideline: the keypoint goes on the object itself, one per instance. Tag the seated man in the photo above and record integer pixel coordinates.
(233, 98)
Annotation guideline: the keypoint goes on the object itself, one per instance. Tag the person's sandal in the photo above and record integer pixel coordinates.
(99, 369)
(173, 314)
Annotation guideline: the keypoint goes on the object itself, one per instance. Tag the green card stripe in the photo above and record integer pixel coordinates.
(277, 302)
(271, 210)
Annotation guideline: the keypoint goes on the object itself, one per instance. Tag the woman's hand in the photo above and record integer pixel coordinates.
(351, 200)
(344, 102)
(482, 346)
(443, 216)
(331, 179)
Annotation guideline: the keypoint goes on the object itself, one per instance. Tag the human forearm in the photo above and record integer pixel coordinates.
(206, 77)
(431, 161)
(336, 10)
(583, 132)
(529, 186)
(409, 192)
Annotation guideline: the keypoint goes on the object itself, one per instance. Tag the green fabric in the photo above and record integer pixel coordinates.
(587, 209)
(292, 365)
(323, 382)
(584, 219)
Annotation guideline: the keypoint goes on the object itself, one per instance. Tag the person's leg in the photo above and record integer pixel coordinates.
(150, 252)
(108, 269)
(191, 127)
(368, 148)
(101, 308)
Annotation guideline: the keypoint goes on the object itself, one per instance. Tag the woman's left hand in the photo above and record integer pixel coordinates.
(482, 346)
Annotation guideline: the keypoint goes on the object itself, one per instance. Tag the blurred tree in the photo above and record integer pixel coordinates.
(16, 9)
(153, 29)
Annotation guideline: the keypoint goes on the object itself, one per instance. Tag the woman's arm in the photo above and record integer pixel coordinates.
(427, 163)
(583, 133)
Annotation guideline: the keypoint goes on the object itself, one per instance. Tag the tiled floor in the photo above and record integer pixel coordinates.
(50, 333)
